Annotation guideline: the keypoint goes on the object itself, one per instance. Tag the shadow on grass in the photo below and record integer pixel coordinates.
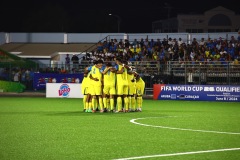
(109, 114)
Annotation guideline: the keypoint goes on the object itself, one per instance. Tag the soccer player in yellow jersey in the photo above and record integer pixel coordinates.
(121, 85)
(131, 90)
(140, 86)
(109, 90)
(96, 85)
(87, 101)
(84, 88)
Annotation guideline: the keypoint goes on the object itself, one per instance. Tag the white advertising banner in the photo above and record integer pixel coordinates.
(64, 90)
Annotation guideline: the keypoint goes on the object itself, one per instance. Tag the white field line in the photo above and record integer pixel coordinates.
(173, 128)
(178, 154)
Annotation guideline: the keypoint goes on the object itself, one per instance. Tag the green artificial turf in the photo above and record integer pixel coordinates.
(51, 128)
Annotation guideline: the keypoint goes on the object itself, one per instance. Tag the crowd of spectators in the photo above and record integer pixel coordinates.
(171, 49)
(154, 54)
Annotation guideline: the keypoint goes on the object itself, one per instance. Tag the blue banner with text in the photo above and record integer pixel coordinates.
(196, 92)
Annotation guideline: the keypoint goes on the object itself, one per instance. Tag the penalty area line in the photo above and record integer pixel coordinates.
(182, 153)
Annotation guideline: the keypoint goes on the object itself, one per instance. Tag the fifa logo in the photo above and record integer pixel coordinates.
(64, 90)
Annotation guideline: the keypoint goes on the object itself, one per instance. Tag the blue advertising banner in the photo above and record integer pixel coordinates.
(40, 79)
(196, 92)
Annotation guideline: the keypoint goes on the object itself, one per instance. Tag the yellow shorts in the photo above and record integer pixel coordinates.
(140, 89)
(85, 90)
(109, 89)
(131, 89)
(95, 90)
(122, 89)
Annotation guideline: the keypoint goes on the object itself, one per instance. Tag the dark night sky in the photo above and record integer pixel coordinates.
(77, 16)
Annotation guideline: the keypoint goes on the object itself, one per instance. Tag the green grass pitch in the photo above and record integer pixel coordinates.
(56, 129)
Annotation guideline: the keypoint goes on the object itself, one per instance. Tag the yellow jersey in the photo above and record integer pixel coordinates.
(109, 78)
(122, 78)
(96, 73)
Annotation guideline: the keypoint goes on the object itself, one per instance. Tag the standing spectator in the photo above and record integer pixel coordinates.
(202, 42)
(67, 62)
(180, 42)
(141, 43)
(84, 62)
(135, 43)
(75, 61)
(158, 43)
(17, 76)
(23, 77)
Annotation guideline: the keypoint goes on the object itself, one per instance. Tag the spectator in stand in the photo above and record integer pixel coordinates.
(110, 43)
(141, 43)
(180, 42)
(158, 44)
(146, 43)
(17, 75)
(207, 52)
(214, 51)
(170, 41)
(104, 45)
(164, 42)
(131, 48)
(134, 43)
(132, 59)
(152, 43)
(150, 51)
(99, 46)
(174, 42)
(181, 52)
(194, 42)
(23, 77)
(75, 61)
(138, 49)
(233, 41)
(218, 45)
(120, 43)
(113, 47)
(84, 62)
(67, 62)
(115, 41)
(202, 42)
(231, 50)
(126, 43)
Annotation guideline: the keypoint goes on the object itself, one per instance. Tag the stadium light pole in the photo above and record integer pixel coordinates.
(118, 20)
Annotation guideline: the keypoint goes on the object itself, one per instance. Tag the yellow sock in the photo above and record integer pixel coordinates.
(105, 102)
(111, 103)
(133, 103)
(89, 105)
(108, 103)
(126, 103)
(94, 103)
(139, 101)
(84, 101)
(129, 102)
(119, 103)
(100, 101)
(86, 106)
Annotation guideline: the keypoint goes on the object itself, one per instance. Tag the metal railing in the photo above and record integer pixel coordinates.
(152, 72)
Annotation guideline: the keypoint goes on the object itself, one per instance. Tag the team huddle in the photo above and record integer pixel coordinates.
(109, 88)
